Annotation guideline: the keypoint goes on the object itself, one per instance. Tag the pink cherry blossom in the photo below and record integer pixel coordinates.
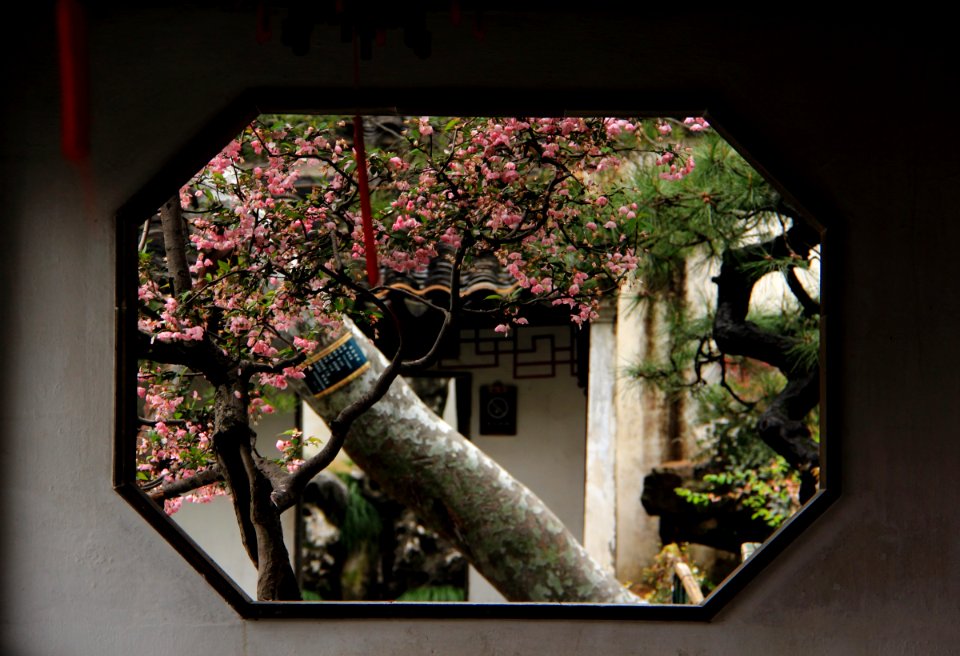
(529, 191)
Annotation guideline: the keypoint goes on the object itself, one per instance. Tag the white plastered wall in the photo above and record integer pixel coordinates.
(548, 452)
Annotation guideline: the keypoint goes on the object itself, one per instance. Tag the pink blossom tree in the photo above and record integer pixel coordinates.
(261, 262)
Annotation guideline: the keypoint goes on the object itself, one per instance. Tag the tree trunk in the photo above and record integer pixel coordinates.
(502, 528)
(258, 519)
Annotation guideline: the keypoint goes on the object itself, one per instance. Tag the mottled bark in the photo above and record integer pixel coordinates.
(505, 531)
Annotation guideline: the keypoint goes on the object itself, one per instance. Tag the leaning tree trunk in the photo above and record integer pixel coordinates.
(502, 528)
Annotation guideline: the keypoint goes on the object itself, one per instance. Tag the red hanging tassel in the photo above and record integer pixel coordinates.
(74, 81)
(263, 32)
(369, 244)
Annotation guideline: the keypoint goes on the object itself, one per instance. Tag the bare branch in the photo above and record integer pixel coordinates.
(167, 422)
(231, 438)
(725, 385)
(276, 580)
(408, 294)
(200, 356)
(144, 235)
(249, 367)
(285, 494)
(175, 243)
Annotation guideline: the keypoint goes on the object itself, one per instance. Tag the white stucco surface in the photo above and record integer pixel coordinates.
(83, 574)
(548, 453)
(600, 485)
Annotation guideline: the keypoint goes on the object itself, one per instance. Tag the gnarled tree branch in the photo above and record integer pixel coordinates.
(782, 424)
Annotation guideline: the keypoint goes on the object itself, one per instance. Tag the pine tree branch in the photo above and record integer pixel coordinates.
(782, 424)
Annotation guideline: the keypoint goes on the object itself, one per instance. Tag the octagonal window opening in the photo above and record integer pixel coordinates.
(617, 319)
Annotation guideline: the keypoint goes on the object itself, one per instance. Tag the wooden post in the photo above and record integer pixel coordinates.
(694, 594)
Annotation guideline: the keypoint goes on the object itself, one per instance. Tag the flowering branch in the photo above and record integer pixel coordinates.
(184, 485)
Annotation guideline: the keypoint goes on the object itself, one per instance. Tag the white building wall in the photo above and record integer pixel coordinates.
(548, 452)
(600, 487)
(639, 435)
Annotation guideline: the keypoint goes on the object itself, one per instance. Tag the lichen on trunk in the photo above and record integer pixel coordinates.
(506, 532)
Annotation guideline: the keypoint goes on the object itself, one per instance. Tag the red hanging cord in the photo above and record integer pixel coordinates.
(366, 214)
(263, 31)
(74, 81)
(369, 244)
